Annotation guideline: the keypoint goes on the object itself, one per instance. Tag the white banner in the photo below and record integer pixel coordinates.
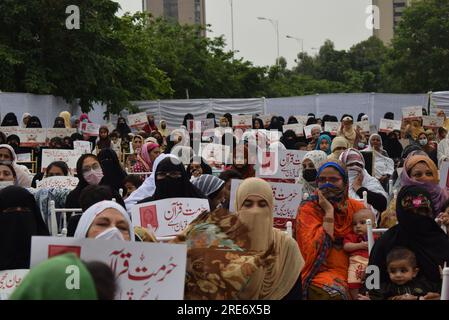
(168, 217)
(287, 198)
(144, 271)
(363, 125)
(10, 280)
(432, 121)
(60, 132)
(412, 113)
(89, 129)
(308, 130)
(138, 120)
(9, 130)
(332, 127)
(31, 137)
(296, 127)
(82, 146)
(243, 122)
(284, 165)
(387, 125)
(60, 182)
(70, 157)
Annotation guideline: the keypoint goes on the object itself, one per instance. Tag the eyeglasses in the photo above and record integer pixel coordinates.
(328, 179)
(172, 174)
(95, 166)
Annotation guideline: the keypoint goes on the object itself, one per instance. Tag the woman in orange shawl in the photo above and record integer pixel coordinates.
(322, 222)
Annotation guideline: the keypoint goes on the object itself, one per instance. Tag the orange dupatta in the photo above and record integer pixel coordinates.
(326, 264)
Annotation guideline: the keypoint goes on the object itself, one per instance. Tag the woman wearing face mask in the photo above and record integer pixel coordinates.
(7, 176)
(339, 144)
(417, 231)
(289, 139)
(359, 180)
(421, 171)
(348, 131)
(427, 146)
(89, 172)
(383, 164)
(392, 146)
(322, 223)
(8, 156)
(113, 173)
(20, 219)
(105, 220)
(311, 162)
(171, 181)
(25, 118)
(242, 251)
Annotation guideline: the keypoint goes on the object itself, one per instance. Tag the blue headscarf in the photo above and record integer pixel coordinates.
(329, 143)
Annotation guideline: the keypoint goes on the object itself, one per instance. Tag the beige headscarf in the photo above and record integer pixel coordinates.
(336, 143)
(66, 116)
(276, 279)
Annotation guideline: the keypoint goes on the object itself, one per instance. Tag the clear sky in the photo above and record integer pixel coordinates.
(342, 21)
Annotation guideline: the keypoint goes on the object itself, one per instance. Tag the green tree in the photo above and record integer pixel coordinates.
(419, 60)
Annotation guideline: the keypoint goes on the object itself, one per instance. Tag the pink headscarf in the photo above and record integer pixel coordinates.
(145, 155)
(85, 116)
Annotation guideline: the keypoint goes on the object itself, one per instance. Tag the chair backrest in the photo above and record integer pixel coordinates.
(445, 285)
(370, 233)
(53, 219)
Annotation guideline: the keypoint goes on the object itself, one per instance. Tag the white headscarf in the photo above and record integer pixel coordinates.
(148, 186)
(317, 157)
(89, 216)
(26, 114)
(24, 177)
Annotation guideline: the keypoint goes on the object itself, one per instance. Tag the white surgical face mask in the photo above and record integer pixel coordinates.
(111, 234)
(4, 184)
(423, 142)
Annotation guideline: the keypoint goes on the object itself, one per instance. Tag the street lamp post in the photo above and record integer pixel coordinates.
(300, 42)
(232, 24)
(275, 24)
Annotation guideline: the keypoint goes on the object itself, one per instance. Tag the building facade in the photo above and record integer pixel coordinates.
(390, 13)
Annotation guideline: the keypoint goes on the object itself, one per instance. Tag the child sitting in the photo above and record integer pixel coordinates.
(355, 243)
(404, 282)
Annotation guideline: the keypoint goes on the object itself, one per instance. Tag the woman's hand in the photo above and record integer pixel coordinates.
(325, 204)
(443, 218)
(405, 297)
(432, 296)
(362, 297)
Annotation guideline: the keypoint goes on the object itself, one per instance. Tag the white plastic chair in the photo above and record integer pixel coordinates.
(54, 224)
(370, 233)
(445, 285)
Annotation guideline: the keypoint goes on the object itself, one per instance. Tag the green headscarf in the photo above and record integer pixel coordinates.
(47, 281)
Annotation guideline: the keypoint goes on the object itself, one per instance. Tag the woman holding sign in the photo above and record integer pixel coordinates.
(322, 223)
(348, 132)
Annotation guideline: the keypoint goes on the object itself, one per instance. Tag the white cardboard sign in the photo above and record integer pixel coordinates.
(412, 113)
(168, 217)
(308, 130)
(60, 132)
(60, 182)
(144, 271)
(387, 125)
(89, 129)
(332, 127)
(296, 127)
(10, 280)
(432, 121)
(137, 120)
(70, 157)
(282, 165)
(83, 146)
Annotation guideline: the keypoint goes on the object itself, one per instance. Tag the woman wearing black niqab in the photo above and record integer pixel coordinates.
(112, 171)
(34, 122)
(20, 219)
(172, 182)
(417, 231)
(10, 120)
(123, 128)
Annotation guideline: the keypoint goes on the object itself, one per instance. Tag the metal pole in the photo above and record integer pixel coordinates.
(232, 25)
(277, 35)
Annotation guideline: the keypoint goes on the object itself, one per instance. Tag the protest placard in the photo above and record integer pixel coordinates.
(10, 280)
(412, 113)
(143, 271)
(283, 165)
(332, 127)
(215, 153)
(444, 176)
(89, 129)
(308, 130)
(82, 146)
(287, 198)
(302, 119)
(266, 119)
(387, 125)
(200, 125)
(60, 182)
(242, 121)
(363, 125)
(9, 130)
(298, 128)
(60, 132)
(137, 120)
(70, 157)
(432, 121)
(168, 217)
(32, 137)
(23, 157)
